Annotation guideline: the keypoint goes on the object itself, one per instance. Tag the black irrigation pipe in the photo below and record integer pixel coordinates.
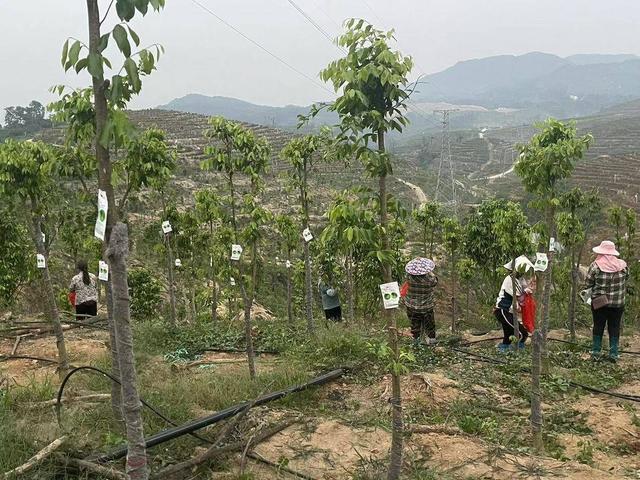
(4, 358)
(171, 433)
(58, 405)
(628, 352)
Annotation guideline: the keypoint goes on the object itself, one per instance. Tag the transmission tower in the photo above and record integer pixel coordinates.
(445, 158)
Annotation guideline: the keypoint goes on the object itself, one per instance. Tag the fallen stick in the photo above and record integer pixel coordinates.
(214, 452)
(15, 345)
(84, 398)
(84, 465)
(36, 459)
(436, 429)
(281, 468)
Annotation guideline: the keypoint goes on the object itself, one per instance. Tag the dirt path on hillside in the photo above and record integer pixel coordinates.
(419, 192)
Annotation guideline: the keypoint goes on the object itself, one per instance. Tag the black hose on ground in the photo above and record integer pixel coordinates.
(114, 379)
(4, 358)
(187, 428)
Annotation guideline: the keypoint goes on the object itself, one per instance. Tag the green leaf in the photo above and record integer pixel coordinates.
(132, 73)
(103, 43)
(82, 63)
(95, 65)
(120, 36)
(74, 52)
(125, 9)
(134, 35)
(142, 6)
(65, 51)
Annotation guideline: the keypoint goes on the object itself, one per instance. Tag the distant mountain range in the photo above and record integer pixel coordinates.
(494, 91)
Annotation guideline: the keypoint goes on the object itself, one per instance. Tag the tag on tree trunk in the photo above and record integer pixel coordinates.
(103, 271)
(41, 262)
(166, 227)
(307, 235)
(390, 295)
(101, 221)
(288, 264)
(44, 238)
(542, 262)
(232, 281)
(178, 262)
(236, 251)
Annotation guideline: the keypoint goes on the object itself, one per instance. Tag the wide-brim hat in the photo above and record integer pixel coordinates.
(606, 247)
(521, 261)
(420, 266)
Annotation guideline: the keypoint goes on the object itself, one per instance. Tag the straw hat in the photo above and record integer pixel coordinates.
(419, 266)
(606, 247)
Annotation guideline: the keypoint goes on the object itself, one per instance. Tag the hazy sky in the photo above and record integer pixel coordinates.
(205, 56)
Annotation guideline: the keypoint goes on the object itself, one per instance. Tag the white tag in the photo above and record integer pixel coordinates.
(232, 281)
(307, 235)
(236, 251)
(178, 262)
(552, 244)
(103, 271)
(542, 262)
(44, 238)
(101, 221)
(42, 263)
(288, 264)
(390, 294)
(166, 227)
(535, 238)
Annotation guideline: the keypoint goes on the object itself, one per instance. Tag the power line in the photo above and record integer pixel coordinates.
(261, 47)
(315, 24)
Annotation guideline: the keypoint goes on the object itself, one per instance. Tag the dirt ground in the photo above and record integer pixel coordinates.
(331, 446)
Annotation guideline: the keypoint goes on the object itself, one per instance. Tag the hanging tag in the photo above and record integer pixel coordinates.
(535, 238)
(288, 264)
(41, 262)
(552, 244)
(236, 251)
(166, 227)
(390, 295)
(101, 221)
(103, 271)
(178, 262)
(232, 281)
(44, 238)
(307, 235)
(542, 262)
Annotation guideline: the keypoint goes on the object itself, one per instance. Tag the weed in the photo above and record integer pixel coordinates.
(585, 455)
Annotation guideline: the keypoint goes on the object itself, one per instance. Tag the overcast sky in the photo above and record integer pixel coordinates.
(205, 56)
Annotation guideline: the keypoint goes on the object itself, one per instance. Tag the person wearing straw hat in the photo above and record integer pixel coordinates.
(504, 303)
(607, 282)
(419, 299)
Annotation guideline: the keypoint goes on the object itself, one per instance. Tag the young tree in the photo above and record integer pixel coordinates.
(468, 272)
(27, 174)
(373, 85)
(300, 153)
(453, 238)
(547, 160)
(238, 151)
(429, 216)
(17, 267)
(630, 220)
(105, 119)
(616, 219)
(288, 240)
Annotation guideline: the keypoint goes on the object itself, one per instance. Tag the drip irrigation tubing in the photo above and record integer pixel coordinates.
(171, 433)
(58, 405)
(26, 357)
(628, 352)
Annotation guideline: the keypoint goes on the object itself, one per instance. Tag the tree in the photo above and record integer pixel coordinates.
(238, 151)
(105, 120)
(468, 271)
(547, 160)
(573, 226)
(630, 220)
(27, 173)
(300, 152)
(453, 238)
(23, 121)
(351, 230)
(373, 85)
(288, 240)
(429, 216)
(17, 267)
(616, 219)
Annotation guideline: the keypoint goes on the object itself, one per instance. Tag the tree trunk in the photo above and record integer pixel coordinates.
(352, 313)
(573, 294)
(454, 275)
(171, 279)
(116, 388)
(468, 310)
(432, 242)
(50, 307)
(536, 397)
(194, 306)
(308, 297)
(397, 426)
(514, 304)
(117, 253)
(214, 300)
(104, 169)
(424, 240)
(289, 292)
(546, 293)
(247, 327)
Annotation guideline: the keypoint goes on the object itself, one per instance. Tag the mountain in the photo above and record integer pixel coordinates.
(575, 85)
(283, 117)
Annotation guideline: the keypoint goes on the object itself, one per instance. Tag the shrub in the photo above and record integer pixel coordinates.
(145, 292)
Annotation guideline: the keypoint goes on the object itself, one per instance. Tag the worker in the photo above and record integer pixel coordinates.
(607, 282)
(418, 295)
(83, 284)
(503, 310)
(330, 300)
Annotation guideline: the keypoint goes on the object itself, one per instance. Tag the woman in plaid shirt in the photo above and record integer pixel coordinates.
(607, 280)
